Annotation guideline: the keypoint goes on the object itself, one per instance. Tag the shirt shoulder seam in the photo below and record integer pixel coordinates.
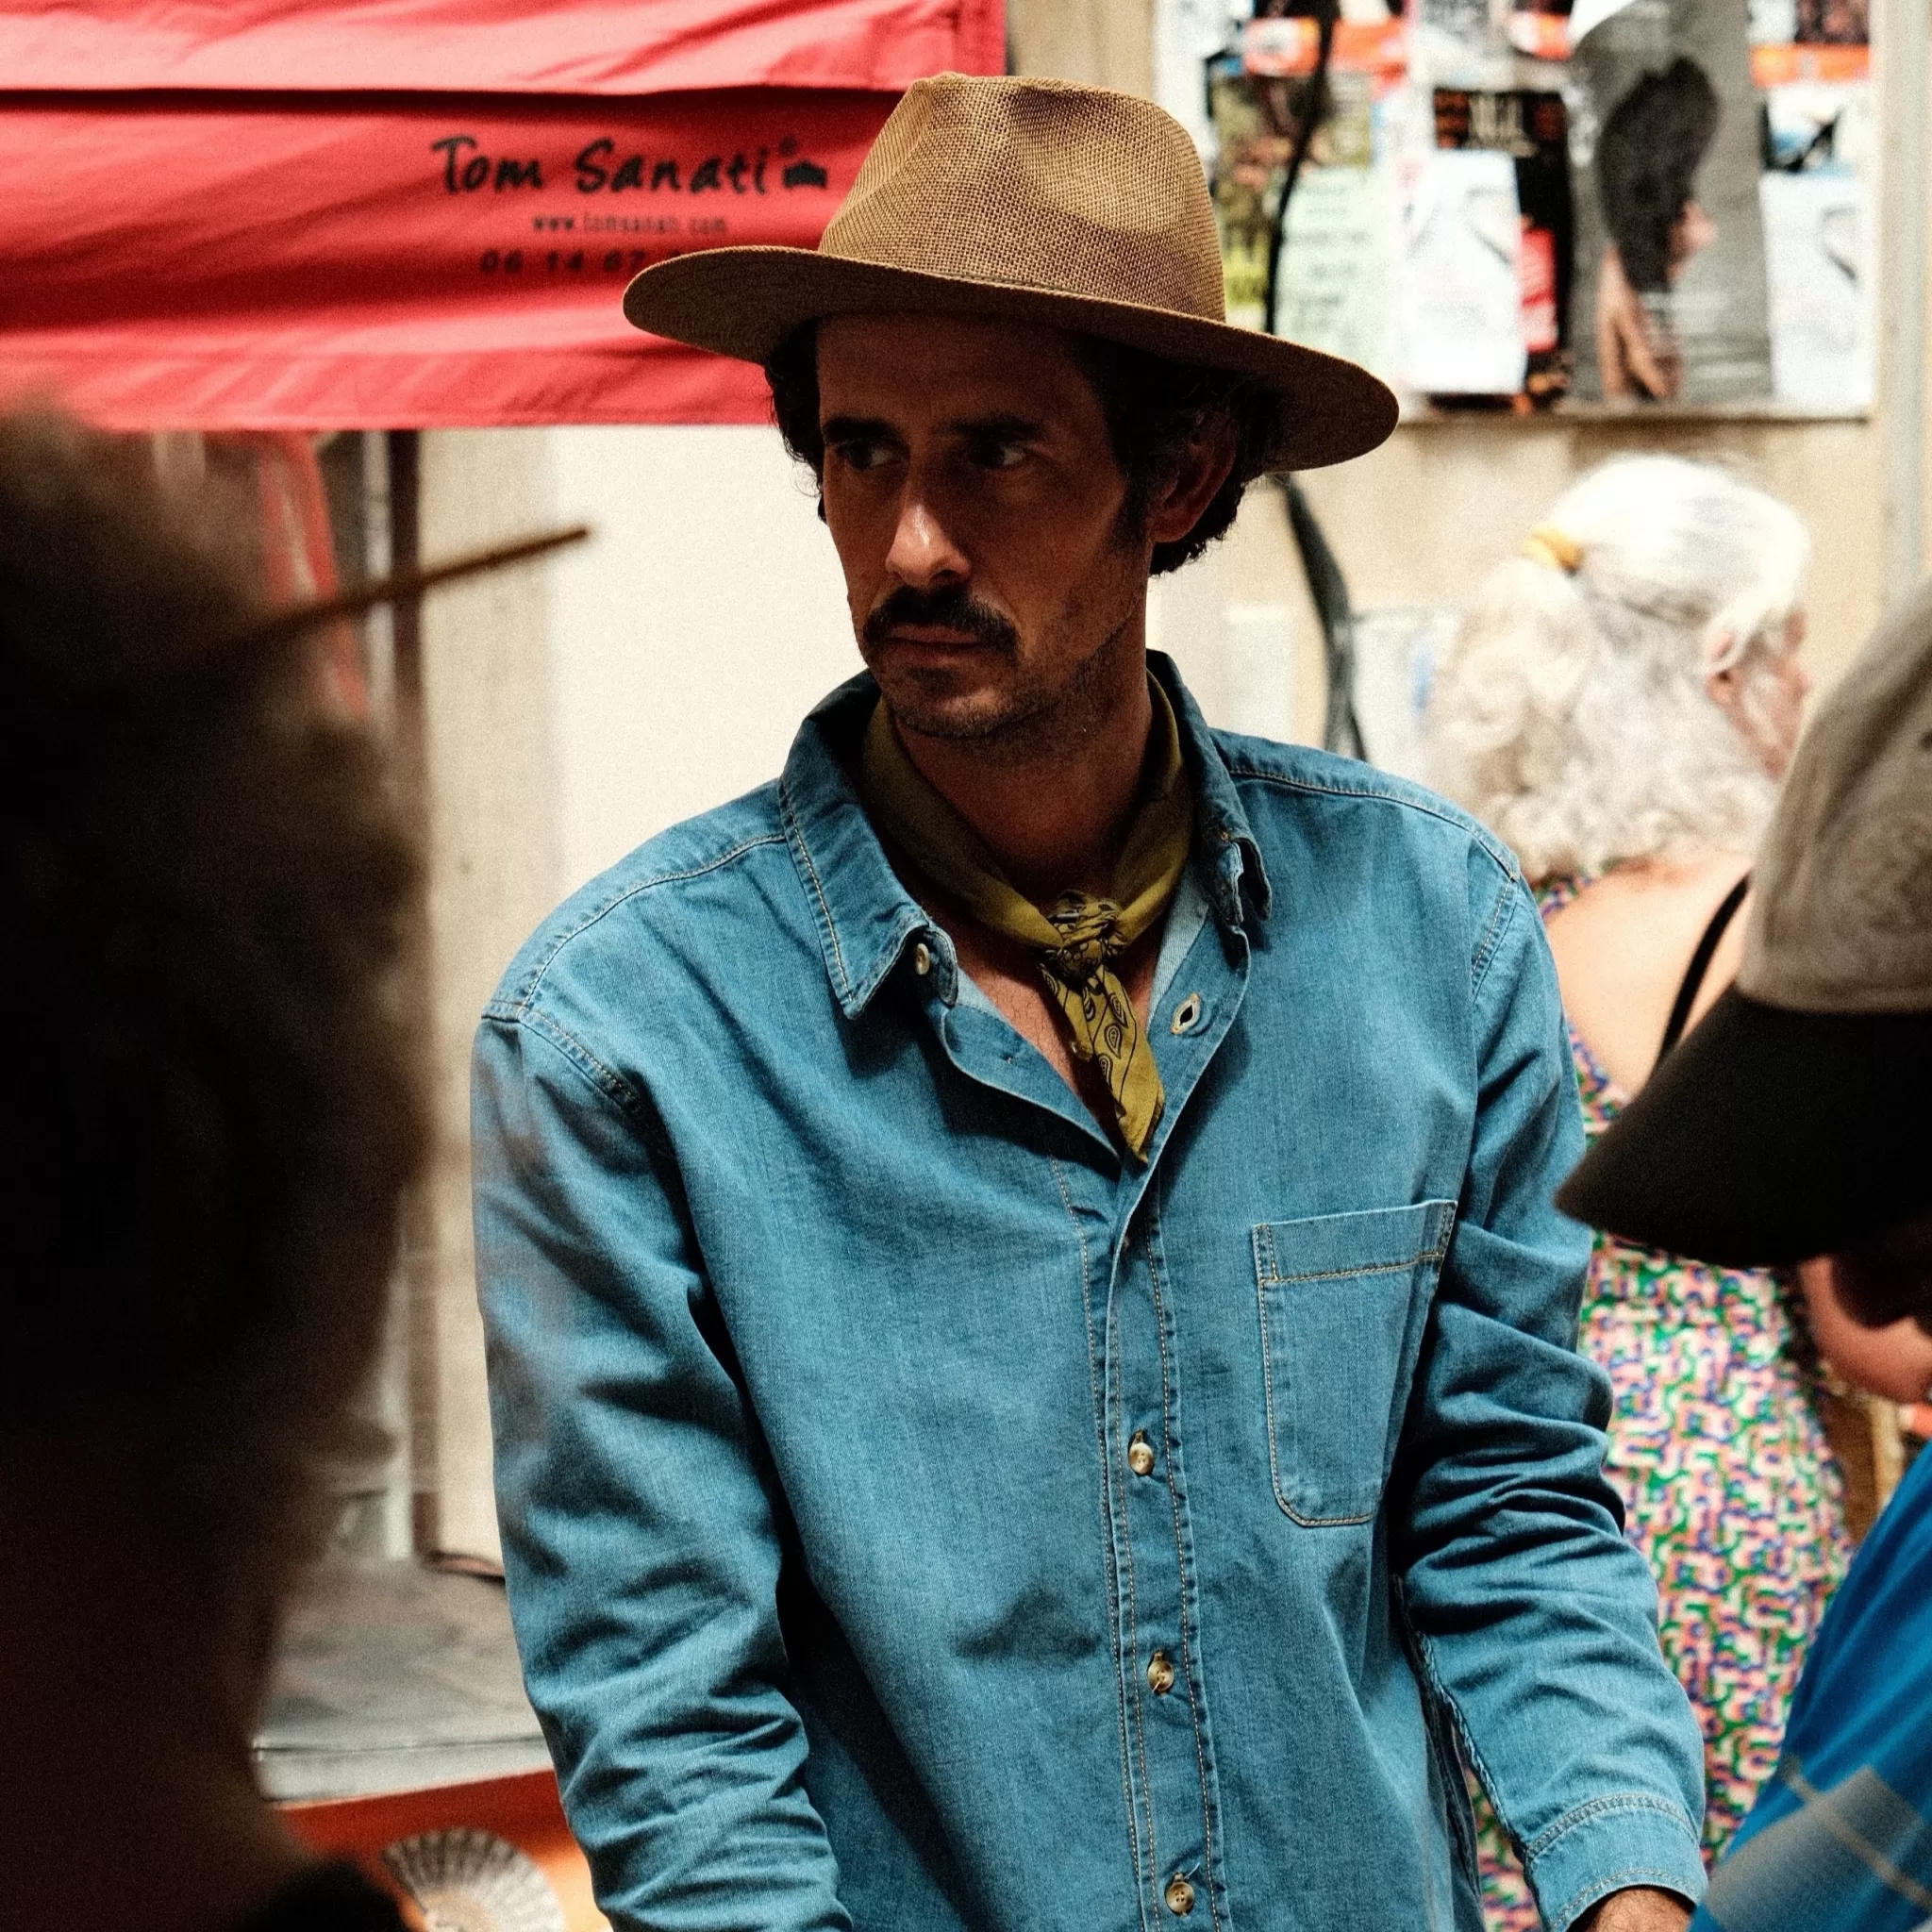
(517, 1006)
(1498, 856)
(603, 1079)
(1288, 781)
(1501, 917)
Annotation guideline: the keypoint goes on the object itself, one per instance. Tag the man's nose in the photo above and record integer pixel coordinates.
(924, 552)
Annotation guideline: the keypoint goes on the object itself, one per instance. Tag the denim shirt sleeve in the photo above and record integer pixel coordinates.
(1533, 1618)
(640, 1529)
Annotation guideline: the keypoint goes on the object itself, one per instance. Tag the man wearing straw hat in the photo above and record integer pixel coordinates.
(1032, 1360)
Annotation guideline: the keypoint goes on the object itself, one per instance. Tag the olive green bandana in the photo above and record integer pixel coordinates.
(1081, 936)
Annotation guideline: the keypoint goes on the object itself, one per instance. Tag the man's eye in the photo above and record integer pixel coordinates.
(862, 455)
(999, 454)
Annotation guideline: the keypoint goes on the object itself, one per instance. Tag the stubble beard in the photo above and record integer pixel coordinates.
(1049, 705)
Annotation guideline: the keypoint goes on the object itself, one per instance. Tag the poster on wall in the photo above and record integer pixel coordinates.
(1519, 204)
(1820, 261)
(1670, 239)
(1460, 330)
(1530, 128)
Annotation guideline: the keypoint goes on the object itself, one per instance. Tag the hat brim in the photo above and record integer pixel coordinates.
(1767, 1137)
(744, 302)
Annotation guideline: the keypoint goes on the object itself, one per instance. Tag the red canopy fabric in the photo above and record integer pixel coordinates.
(417, 213)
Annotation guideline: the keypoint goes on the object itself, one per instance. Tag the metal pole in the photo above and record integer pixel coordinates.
(1905, 44)
(410, 738)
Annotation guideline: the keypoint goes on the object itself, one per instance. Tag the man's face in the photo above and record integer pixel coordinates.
(973, 494)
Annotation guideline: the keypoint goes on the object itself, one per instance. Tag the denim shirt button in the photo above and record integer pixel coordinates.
(1160, 1673)
(1179, 1896)
(1140, 1454)
(922, 958)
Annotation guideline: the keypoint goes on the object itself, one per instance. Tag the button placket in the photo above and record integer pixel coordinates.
(1166, 1770)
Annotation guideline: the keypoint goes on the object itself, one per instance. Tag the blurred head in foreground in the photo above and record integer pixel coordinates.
(1789, 1123)
(210, 1111)
(1629, 686)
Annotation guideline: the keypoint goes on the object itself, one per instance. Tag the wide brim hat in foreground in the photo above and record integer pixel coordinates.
(1791, 1121)
(1024, 201)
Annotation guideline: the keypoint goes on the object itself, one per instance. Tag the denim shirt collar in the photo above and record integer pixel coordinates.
(866, 919)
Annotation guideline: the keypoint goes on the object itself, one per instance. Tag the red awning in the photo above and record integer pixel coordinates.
(396, 213)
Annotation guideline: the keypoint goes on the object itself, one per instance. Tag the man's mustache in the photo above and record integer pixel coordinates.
(952, 609)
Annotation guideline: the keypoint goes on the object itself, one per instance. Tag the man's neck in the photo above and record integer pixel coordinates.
(1053, 806)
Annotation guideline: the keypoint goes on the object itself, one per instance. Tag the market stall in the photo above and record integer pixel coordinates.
(335, 214)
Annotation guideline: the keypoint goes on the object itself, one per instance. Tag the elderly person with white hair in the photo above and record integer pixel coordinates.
(1620, 702)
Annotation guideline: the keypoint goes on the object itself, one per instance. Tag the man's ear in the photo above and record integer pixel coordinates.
(1203, 467)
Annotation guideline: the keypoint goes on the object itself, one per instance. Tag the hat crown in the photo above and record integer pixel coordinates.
(1037, 184)
(1842, 920)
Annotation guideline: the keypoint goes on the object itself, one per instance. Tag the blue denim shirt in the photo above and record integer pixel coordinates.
(919, 1516)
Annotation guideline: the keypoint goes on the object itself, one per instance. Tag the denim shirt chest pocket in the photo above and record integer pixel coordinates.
(1344, 1301)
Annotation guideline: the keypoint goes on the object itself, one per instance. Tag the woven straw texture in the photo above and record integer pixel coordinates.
(1028, 201)
(1843, 885)
(1001, 178)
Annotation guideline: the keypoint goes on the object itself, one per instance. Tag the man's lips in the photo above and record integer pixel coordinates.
(932, 634)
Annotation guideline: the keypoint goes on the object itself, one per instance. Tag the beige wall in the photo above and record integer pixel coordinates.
(572, 710)
(1422, 519)
(490, 774)
(689, 640)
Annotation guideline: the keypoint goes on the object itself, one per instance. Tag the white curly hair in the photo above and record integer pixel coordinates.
(1571, 714)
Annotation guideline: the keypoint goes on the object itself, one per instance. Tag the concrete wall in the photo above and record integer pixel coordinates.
(491, 783)
(572, 710)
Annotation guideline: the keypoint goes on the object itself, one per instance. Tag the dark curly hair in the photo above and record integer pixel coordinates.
(1653, 142)
(1154, 408)
(212, 1102)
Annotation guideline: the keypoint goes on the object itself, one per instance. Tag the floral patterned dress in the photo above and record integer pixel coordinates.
(1717, 1446)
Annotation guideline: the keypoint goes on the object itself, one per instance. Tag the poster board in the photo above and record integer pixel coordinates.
(1633, 203)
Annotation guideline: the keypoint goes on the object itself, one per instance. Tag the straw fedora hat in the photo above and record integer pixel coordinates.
(1026, 201)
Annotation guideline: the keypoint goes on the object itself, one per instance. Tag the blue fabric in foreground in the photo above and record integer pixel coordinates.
(1842, 1836)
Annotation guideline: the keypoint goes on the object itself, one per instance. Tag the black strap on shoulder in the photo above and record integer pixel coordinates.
(1699, 964)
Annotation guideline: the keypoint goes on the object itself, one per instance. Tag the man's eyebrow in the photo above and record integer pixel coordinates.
(857, 429)
(1004, 428)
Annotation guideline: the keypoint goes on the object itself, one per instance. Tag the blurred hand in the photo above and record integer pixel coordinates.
(1639, 1910)
(1629, 361)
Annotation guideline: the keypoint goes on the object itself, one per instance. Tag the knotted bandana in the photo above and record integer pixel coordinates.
(1079, 937)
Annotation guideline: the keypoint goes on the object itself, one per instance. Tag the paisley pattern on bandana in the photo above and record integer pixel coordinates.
(1102, 1026)
(1078, 941)
(1730, 1488)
